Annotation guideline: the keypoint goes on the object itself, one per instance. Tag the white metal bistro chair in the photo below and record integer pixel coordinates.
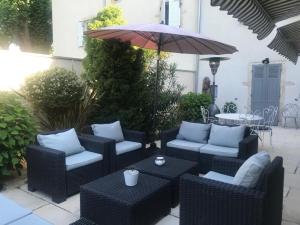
(265, 125)
(205, 116)
(290, 111)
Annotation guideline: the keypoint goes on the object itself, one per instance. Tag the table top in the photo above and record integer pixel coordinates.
(113, 186)
(172, 169)
(238, 116)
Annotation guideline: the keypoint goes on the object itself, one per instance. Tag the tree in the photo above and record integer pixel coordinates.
(115, 69)
(124, 77)
(26, 23)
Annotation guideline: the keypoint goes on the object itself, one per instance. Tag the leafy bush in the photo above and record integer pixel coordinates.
(169, 92)
(59, 98)
(230, 107)
(125, 78)
(190, 106)
(17, 130)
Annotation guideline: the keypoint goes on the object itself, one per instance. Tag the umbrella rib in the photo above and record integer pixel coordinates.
(145, 36)
(175, 41)
(196, 47)
(215, 52)
(110, 33)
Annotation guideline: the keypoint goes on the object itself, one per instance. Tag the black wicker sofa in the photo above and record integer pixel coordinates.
(246, 148)
(205, 201)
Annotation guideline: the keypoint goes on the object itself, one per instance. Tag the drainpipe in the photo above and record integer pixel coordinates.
(197, 75)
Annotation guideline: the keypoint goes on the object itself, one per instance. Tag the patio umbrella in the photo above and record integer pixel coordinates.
(165, 38)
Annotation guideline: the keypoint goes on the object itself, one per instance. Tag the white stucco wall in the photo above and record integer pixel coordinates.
(234, 76)
(67, 14)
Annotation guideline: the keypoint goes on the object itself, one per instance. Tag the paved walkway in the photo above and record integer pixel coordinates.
(286, 143)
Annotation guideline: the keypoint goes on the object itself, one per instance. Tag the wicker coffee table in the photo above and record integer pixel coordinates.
(108, 201)
(171, 170)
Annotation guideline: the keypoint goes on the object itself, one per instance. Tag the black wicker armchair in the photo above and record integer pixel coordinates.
(208, 202)
(120, 161)
(247, 147)
(47, 170)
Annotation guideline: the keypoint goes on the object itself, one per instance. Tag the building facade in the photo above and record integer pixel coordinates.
(243, 79)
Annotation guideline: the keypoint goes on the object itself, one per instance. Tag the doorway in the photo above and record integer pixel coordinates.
(265, 90)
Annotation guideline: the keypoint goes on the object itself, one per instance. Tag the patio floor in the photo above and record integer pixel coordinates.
(286, 143)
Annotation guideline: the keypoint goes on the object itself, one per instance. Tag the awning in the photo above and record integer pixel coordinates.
(260, 15)
(287, 41)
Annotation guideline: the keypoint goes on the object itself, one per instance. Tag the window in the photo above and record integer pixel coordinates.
(171, 12)
(82, 27)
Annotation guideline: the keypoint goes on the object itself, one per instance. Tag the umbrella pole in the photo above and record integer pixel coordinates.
(153, 144)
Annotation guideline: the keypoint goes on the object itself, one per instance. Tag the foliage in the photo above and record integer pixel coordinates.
(190, 106)
(114, 70)
(93, 62)
(119, 83)
(17, 130)
(125, 78)
(169, 92)
(26, 23)
(230, 107)
(59, 98)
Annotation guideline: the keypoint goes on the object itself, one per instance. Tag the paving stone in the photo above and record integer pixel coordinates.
(72, 204)
(291, 209)
(175, 212)
(56, 215)
(286, 191)
(288, 223)
(169, 220)
(292, 180)
(24, 199)
(37, 194)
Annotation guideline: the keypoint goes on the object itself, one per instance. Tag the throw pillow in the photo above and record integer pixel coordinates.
(226, 136)
(110, 130)
(67, 142)
(249, 173)
(195, 132)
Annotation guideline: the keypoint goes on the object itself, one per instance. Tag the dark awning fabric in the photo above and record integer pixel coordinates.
(287, 41)
(260, 15)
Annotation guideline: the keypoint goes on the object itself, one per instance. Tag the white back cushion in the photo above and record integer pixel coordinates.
(67, 142)
(226, 136)
(110, 130)
(249, 173)
(195, 132)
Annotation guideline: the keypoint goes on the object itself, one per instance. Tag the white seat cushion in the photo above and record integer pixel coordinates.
(11, 211)
(226, 136)
(185, 145)
(109, 130)
(30, 220)
(67, 142)
(219, 150)
(249, 173)
(219, 177)
(127, 146)
(195, 132)
(82, 159)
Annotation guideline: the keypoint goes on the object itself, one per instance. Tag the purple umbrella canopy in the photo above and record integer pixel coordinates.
(163, 38)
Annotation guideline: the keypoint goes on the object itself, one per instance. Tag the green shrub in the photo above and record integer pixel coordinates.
(190, 106)
(124, 77)
(59, 98)
(169, 92)
(17, 130)
(230, 107)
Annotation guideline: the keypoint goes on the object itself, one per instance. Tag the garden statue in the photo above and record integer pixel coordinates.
(206, 86)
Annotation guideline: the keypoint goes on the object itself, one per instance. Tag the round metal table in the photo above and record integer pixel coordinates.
(238, 118)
